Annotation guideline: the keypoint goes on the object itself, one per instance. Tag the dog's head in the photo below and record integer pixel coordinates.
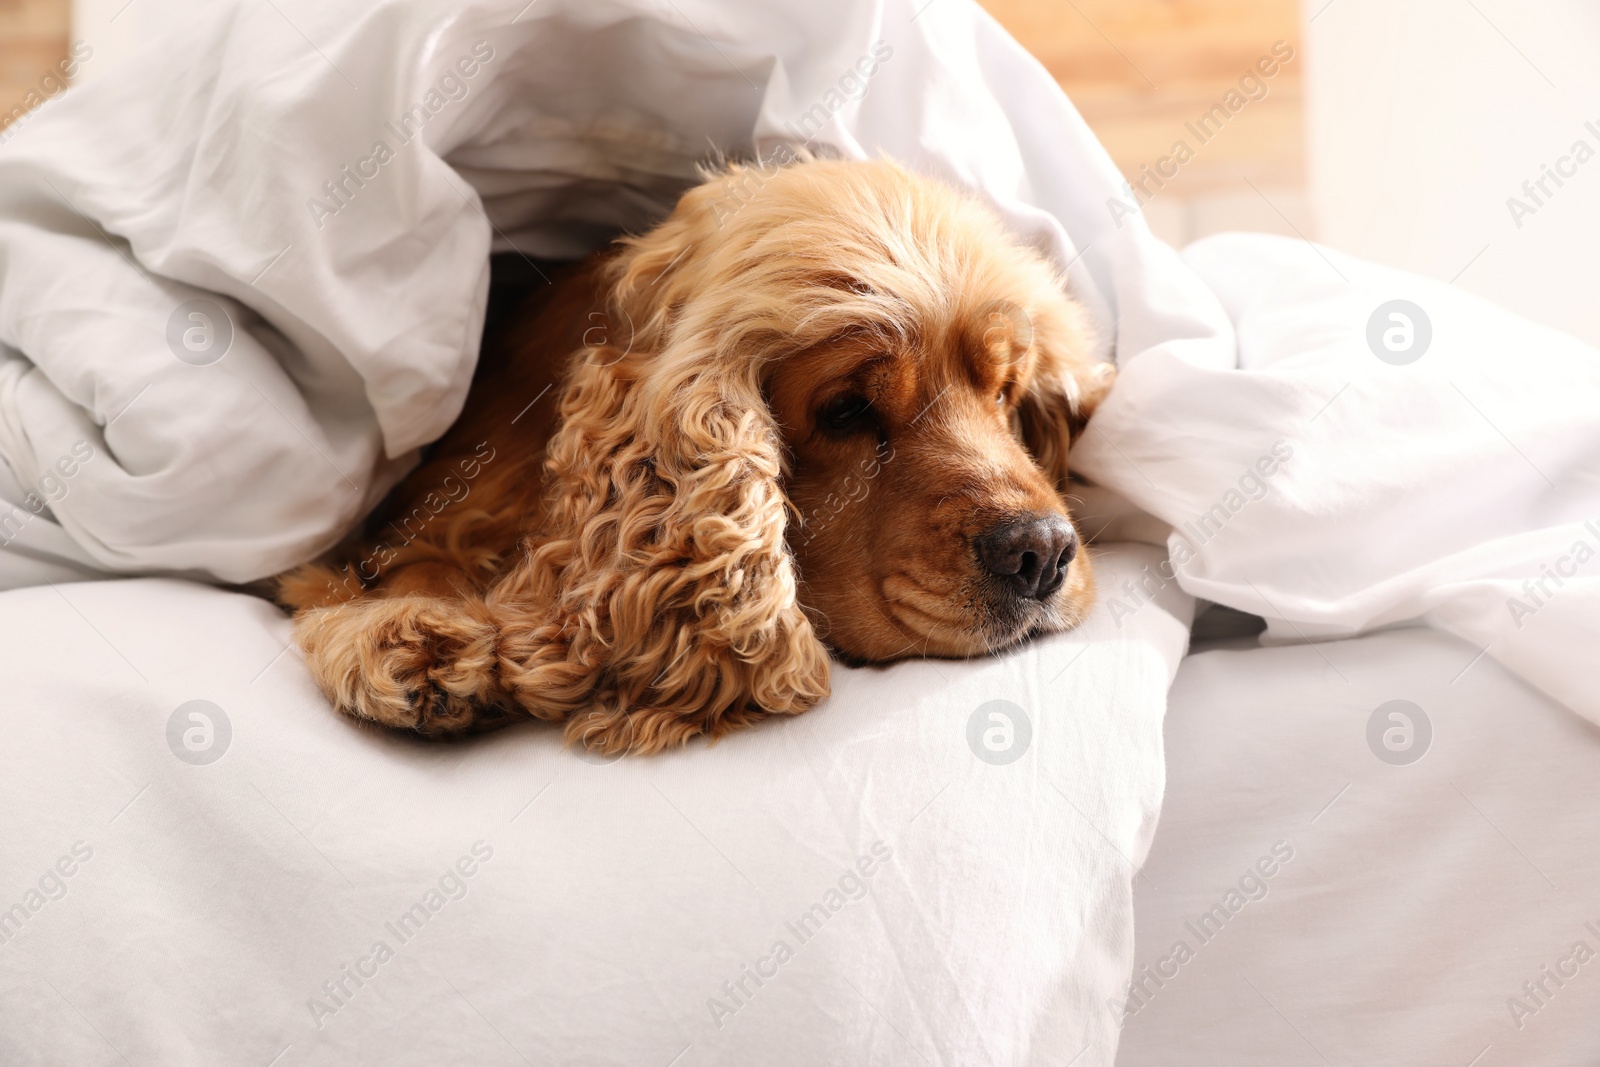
(842, 416)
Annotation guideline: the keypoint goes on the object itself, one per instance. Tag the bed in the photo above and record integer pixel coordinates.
(1383, 493)
(1439, 905)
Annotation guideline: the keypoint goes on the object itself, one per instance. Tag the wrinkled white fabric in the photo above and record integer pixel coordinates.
(1428, 895)
(264, 162)
(986, 917)
(1332, 491)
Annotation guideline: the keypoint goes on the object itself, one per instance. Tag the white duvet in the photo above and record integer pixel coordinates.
(253, 290)
(1336, 485)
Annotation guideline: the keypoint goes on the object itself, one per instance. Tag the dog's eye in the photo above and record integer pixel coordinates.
(845, 412)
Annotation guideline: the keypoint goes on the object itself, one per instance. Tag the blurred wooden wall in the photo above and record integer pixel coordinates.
(1138, 70)
(33, 38)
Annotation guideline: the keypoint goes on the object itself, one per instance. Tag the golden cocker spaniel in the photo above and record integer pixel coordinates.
(820, 406)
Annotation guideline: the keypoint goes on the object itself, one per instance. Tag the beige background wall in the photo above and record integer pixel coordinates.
(1428, 116)
(1138, 70)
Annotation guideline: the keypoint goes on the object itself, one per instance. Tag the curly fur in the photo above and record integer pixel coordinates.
(621, 563)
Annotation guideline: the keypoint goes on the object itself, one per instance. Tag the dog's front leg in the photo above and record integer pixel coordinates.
(413, 661)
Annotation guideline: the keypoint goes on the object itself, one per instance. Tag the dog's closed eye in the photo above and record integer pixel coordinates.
(846, 413)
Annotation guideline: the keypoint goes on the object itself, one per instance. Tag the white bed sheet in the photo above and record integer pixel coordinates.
(1419, 898)
(607, 905)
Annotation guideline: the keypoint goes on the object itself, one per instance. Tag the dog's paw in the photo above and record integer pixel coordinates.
(414, 662)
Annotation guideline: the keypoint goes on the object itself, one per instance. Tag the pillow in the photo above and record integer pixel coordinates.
(207, 863)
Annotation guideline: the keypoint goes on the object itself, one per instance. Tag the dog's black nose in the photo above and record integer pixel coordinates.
(1031, 554)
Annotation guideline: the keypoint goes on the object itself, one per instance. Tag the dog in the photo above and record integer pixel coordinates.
(829, 416)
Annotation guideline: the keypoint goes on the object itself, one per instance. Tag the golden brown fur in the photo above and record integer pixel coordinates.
(656, 513)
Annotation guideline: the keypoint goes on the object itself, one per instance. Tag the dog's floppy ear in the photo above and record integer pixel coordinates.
(665, 598)
(1067, 384)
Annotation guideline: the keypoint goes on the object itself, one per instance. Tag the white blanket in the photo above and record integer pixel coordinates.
(1338, 481)
(252, 290)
